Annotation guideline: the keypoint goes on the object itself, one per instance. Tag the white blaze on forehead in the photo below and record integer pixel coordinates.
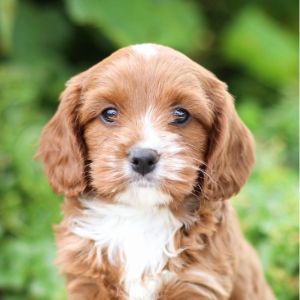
(146, 50)
(155, 138)
(150, 135)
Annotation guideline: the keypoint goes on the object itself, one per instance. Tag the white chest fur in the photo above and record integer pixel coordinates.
(140, 239)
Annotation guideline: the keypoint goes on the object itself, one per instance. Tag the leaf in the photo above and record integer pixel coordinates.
(175, 23)
(262, 47)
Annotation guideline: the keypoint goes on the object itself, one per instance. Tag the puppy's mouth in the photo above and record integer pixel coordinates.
(146, 181)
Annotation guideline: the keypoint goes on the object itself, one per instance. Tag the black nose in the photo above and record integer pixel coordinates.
(143, 160)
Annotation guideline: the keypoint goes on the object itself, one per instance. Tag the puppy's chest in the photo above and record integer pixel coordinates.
(140, 240)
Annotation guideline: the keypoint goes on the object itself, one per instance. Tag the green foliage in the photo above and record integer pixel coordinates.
(175, 23)
(273, 51)
(7, 17)
(27, 249)
(42, 45)
(40, 34)
(268, 210)
(271, 124)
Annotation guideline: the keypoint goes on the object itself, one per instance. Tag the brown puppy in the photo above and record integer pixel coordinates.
(147, 148)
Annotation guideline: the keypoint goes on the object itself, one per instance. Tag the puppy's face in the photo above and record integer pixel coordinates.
(146, 122)
(145, 126)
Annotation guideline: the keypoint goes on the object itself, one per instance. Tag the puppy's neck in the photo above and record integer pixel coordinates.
(138, 238)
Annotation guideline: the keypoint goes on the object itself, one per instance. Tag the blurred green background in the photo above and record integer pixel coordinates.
(252, 45)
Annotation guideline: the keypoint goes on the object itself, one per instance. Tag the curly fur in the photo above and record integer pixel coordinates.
(172, 234)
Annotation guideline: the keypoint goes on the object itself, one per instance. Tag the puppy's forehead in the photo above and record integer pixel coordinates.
(144, 76)
(145, 64)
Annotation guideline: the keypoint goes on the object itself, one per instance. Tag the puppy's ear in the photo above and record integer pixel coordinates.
(230, 152)
(61, 146)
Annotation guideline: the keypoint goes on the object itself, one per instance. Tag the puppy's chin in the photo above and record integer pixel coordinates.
(143, 193)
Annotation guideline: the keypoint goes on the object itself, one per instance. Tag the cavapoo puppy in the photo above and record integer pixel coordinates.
(147, 148)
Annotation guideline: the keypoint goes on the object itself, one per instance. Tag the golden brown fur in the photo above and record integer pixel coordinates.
(215, 261)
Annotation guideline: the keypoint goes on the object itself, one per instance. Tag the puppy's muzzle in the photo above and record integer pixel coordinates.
(143, 160)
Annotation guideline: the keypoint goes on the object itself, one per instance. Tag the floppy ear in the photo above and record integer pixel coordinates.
(61, 146)
(230, 153)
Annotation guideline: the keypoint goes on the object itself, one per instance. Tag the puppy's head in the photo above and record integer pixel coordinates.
(146, 126)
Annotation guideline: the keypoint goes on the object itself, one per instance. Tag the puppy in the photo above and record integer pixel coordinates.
(147, 149)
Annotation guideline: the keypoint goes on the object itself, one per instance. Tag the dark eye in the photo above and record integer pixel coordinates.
(109, 115)
(181, 116)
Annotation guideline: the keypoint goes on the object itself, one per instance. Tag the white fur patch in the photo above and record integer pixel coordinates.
(143, 197)
(141, 239)
(146, 50)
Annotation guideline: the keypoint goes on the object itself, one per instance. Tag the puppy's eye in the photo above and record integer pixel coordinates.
(109, 115)
(181, 116)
